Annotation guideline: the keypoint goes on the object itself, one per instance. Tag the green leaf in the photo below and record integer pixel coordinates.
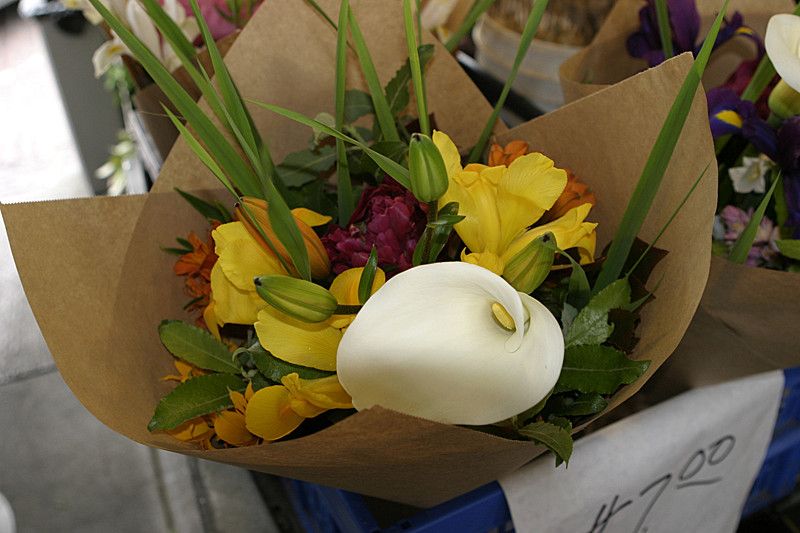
(344, 187)
(664, 30)
(197, 346)
(741, 248)
(789, 247)
(397, 93)
(382, 112)
(306, 165)
(394, 169)
(357, 104)
(582, 405)
(195, 397)
(477, 9)
(656, 165)
(368, 276)
(555, 438)
(591, 325)
(417, 74)
(579, 290)
(598, 369)
(274, 369)
(208, 210)
(528, 32)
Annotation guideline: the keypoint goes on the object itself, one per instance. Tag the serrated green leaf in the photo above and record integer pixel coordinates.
(397, 93)
(208, 210)
(582, 405)
(555, 438)
(357, 104)
(598, 369)
(274, 369)
(306, 165)
(789, 247)
(591, 325)
(195, 397)
(197, 346)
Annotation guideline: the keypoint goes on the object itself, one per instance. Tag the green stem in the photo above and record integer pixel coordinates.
(433, 208)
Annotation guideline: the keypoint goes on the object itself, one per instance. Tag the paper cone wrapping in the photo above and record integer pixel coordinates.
(99, 284)
(746, 321)
(606, 60)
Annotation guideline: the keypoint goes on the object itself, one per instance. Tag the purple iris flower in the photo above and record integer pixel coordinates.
(728, 114)
(788, 144)
(684, 22)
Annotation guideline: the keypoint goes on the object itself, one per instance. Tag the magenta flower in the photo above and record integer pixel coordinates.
(387, 216)
(219, 16)
(764, 250)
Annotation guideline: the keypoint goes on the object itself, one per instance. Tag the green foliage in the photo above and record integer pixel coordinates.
(215, 211)
(790, 248)
(304, 166)
(598, 369)
(195, 397)
(556, 438)
(197, 346)
(274, 369)
(591, 325)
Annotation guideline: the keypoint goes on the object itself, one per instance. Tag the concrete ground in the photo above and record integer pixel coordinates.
(61, 470)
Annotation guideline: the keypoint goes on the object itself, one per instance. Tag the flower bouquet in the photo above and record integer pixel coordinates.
(736, 326)
(101, 287)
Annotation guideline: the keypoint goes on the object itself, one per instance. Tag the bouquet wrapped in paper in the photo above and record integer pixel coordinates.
(101, 286)
(744, 322)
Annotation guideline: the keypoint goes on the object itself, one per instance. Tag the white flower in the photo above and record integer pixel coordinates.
(782, 41)
(427, 344)
(750, 176)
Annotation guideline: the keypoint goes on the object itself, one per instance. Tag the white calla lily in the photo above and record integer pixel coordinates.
(428, 344)
(782, 41)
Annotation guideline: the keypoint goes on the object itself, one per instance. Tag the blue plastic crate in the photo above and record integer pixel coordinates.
(484, 510)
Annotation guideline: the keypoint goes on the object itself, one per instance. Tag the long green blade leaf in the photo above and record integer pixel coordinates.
(344, 188)
(525, 42)
(664, 31)
(656, 166)
(477, 9)
(741, 248)
(416, 70)
(382, 113)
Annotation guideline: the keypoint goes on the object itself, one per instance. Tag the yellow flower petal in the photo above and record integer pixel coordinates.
(345, 289)
(477, 201)
(230, 427)
(324, 392)
(528, 188)
(241, 257)
(269, 414)
(570, 231)
(231, 304)
(450, 155)
(297, 342)
(312, 218)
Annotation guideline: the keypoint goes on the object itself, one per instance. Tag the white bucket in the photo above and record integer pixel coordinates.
(537, 78)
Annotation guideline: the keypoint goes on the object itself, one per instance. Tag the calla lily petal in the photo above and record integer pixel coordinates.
(449, 359)
(782, 42)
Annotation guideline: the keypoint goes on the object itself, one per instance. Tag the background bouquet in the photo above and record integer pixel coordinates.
(744, 322)
(101, 327)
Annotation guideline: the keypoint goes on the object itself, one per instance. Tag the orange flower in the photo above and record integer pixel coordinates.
(305, 218)
(196, 430)
(230, 424)
(499, 156)
(196, 266)
(574, 194)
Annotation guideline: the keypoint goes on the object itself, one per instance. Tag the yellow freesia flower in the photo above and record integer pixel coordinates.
(502, 203)
(274, 412)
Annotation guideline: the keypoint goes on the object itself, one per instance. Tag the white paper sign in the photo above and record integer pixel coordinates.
(685, 465)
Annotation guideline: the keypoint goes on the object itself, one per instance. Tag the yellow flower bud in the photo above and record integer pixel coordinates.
(426, 167)
(297, 298)
(531, 265)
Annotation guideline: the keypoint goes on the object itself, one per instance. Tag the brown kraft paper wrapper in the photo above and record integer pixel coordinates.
(99, 285)
(746, 320)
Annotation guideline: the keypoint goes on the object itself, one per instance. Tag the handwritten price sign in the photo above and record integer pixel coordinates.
(686, 464)
(698, 471)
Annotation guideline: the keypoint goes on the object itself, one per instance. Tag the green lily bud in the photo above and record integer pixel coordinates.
(297, 298)
(784, 101)
(530, 267)
(426, 169)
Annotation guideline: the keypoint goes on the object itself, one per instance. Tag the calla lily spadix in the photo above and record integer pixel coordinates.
(428, 344)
